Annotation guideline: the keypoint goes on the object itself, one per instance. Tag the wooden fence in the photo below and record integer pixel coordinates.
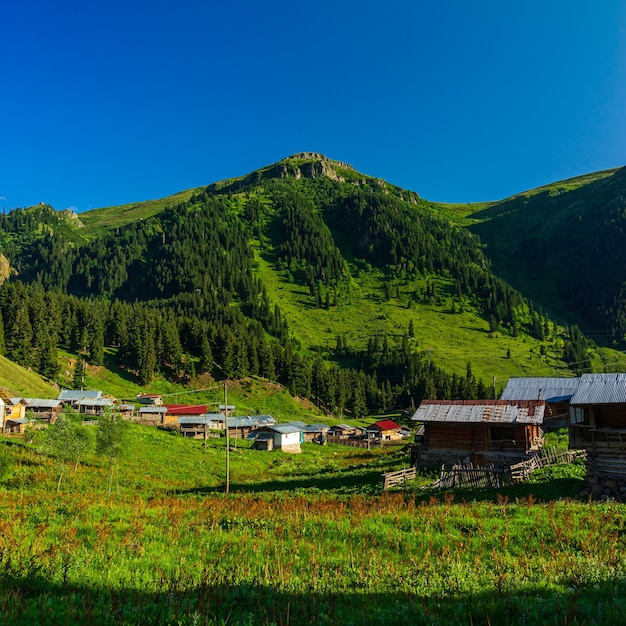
(396, 478)
(355, 443)
(546, 457)
(468, 476)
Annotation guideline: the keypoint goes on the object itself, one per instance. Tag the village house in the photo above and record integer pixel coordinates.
(499, 432)
(41, 410)
(238, 427)
(13, 408)
(16, 425)
(73, 396)
(556, 392)
(286, 437)
(151, 415)
(385, 430)
(598, 425)
(342, 431)
(95, 407)
(175, 411)
(124, 410)
(149, 398)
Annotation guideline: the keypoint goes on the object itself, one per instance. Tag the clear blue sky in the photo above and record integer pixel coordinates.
(105, 103)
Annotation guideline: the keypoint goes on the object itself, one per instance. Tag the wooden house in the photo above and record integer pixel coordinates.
(42, 410)
(556, 392)
(499, 432)
(598, 425)
(385, 430)
(16, 425)
(94, 406)
(126, 411)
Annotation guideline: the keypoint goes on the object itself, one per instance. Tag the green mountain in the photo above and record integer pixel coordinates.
(352, 292)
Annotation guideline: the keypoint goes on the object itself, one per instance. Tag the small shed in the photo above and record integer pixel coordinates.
(263, 441)
(556, 392)
(499, 432)
(598, 425)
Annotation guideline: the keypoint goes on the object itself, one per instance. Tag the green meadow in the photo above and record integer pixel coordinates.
(299, 539)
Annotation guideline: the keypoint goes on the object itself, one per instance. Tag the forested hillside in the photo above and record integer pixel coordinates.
(203, 285)
(564, 244)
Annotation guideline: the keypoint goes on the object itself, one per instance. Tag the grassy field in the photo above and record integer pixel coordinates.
(300, 539)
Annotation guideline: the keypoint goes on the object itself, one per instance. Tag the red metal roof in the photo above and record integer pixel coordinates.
(387, 425)
(186, 409)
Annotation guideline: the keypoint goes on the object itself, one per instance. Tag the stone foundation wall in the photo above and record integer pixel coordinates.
(605, 488)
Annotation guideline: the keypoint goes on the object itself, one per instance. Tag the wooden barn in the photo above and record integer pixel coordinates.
(484, 432)
(598, 426)
(556, 392)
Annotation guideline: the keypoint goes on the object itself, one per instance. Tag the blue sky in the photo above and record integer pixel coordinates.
(105, 103)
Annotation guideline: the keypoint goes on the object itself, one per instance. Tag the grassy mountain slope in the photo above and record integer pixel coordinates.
(355, 264)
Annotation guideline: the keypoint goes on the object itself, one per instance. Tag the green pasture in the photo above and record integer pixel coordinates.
(300, 539)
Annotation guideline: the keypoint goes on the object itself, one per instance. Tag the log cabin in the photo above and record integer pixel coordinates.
(483, 432)
(598, 425)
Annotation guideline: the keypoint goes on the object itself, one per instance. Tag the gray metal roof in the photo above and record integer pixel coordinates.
(41, 403)
(285, 428)
(600, 389)
(548, 389)
(74, 395)
(478, 411)
(343, 427)
(153, 409)
(95, 402)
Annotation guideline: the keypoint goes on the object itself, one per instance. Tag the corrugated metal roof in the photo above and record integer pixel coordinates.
(477, 411)
(95, 402)
(285, 428)
(385, 425)
(548, 389)
(77, 394)
(41, 403)
(600, 389)
(153, 409)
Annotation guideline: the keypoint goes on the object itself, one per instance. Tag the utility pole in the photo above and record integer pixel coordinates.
(227, 442)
